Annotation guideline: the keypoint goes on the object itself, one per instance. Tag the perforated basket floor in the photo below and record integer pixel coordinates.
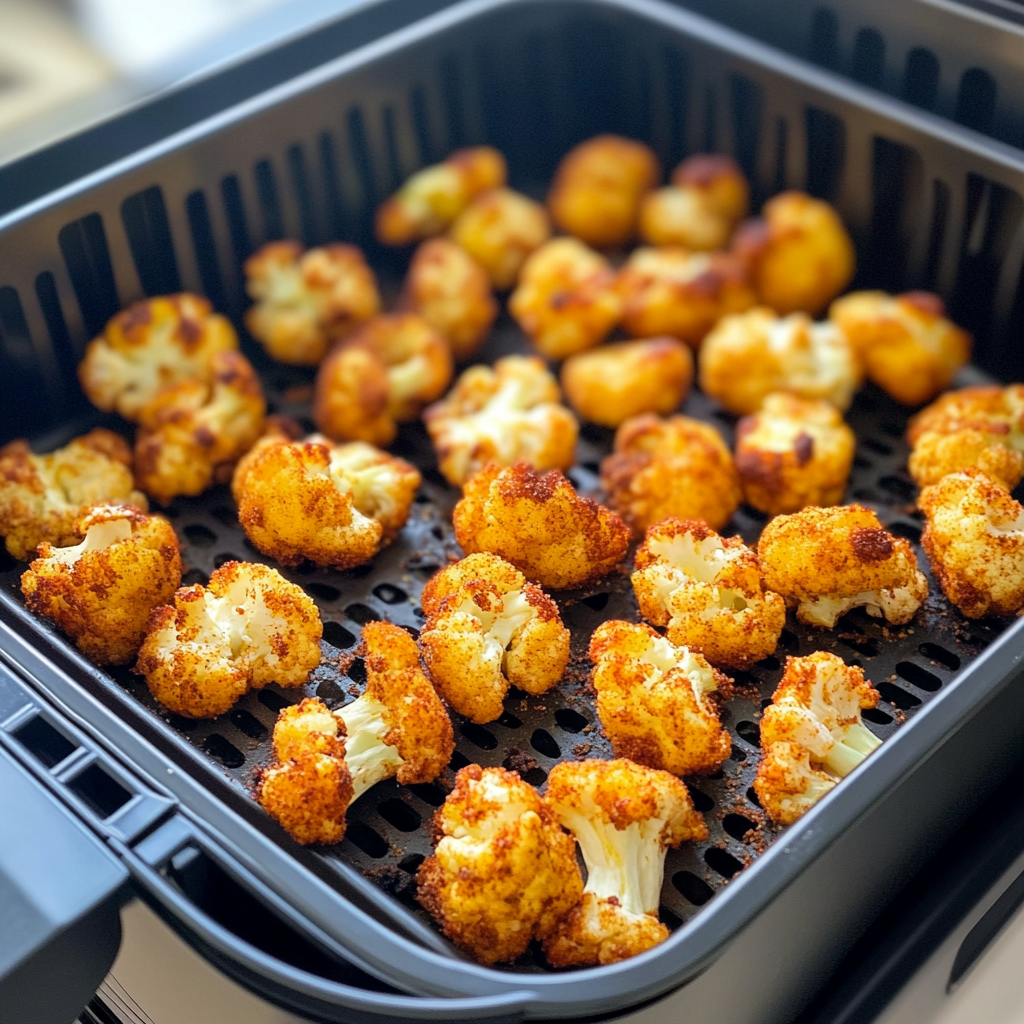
(388, 828)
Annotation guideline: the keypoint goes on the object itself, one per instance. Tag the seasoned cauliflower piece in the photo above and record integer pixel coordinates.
(150, 345)
(792, 453)
(625, 817)
(598, 187)
(451, 292)
(247, 628)
(975, 543)
(333, 504)
(304, 301)
(43, 496)
(537, 522)
(787, 784)
(192, 434)
(614, 382)
(708, 196)
(799, 253)
(488, 629)
(499, 230)
(670, 467)
(827, 561)
(503, 872)
(750, 355)
(433, 197)
(653, 700)
(681, 293)
(309, 796)
(566, 300)
(505, 414)
(101, 591)
(980, 427)
(709, 592)
(817, 705)
(382, 376)
(309, 727)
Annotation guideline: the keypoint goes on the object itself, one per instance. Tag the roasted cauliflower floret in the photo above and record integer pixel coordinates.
(709, 592)
(750, 355)
(827, 561)
(433, 197)
(333, 504)
(537, 522)
(670, 467)
(309, 796)
(499, 230)
(451, 292)
(681, 293)
(304, 301)
(101, 591)
(598, 187)
(787, 784)
(503, 415)
(980, 427)
(382, 376)
(488, 629)
(192, 434)
(309, 727)
(799, 253)
(43, 496)
(653, 700)
(149, 345)
(625, 817)
(975, 543)
(247, 628)
(503, 872)
(708, 196)
(566, 300)
(907, 345)
(792, 453)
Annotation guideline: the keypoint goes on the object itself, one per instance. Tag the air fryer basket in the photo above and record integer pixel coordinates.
(310, 160)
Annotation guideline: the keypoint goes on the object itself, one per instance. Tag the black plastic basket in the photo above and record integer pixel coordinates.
(310, 158)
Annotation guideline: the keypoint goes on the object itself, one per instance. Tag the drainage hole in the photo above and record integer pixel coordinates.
(738, 826)
(225, 514)
(861, 463)
(399, 814)
(338, 636)
(428, 792)
(224, 557)
(933, 652)
(598, 602)
(769, 664)
(357, 671)
(411, 862)
(324, 591)
(272, 699)
(752, 797)
(749, 731)
(361, 613)
(412, 631)
(876, 716)
(199, 536)
(789, 640)
(248, 724)
(570, 721)
(897, 696)
(701, 801)
(878, 447)
(899, 488)
(390, 594)
(479, 736)
(458, 761)
(509, 721)
(920, 677)
(372, 843)
(668, 919)
(222, 750)
(866, 645)
(193, 577)
(907, 531)
(544, 743)
(535, 776)
(721, 862)
(693, 889)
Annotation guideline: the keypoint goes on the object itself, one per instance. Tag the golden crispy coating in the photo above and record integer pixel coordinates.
(907, 345)
(503, 871)
(829, 560)
(975, 543)
(499, 230)
(670, 467)
(652, 700)
(503, 415)
(750, 355)
(980, 427)
(625, 817)
(384, 375)
(333, 504)
(308, 727)
(566, 300)
(709, 592)
(247, 628)
(681, 293)
(450, 290)
(149, 345)
(42, 496)
(793, 453)
(101, 591)
(708, 196)
(304, 301)
(489, 629)
(537, 522)
(433, 197)
(309, 796)
(614, 382)
(193, 432)
(799, 253)
(598, 187)
(787, 785)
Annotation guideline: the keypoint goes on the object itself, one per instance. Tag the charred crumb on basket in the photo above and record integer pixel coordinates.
(392, 880)
(517, 760)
